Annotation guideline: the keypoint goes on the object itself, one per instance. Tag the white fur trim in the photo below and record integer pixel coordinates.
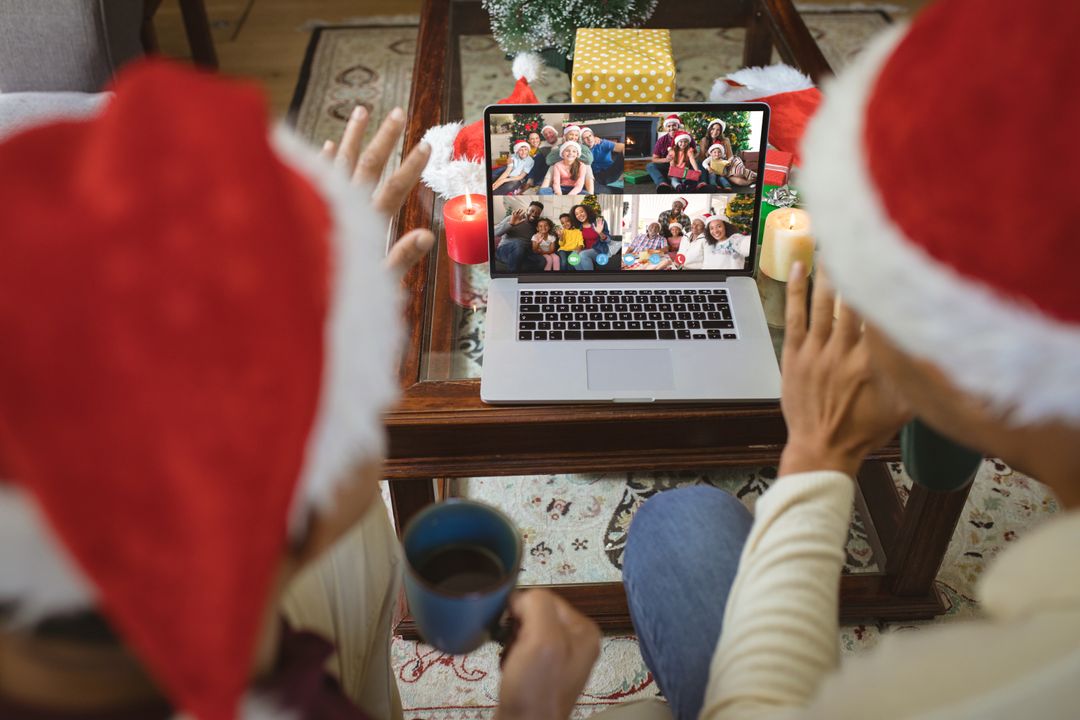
(446, 176)
(571, 128)
(570, 143)
(36, 571)
(1012, 356)
(521, 144)
(715, 145)
(528, 65)
(716, 121)
(363, 335)
(759, 82)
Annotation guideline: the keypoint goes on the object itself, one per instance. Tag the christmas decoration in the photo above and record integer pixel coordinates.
(785, 196)
(185, 381)
(523, 124)
(593, 203)
(791, 96)
(522, 25)
(623, 66)
(980, 287)
(740, 212)
(736, 127)
(457, 161)
(776, 167)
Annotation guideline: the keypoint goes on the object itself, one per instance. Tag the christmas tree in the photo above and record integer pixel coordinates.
(590, 201)
(736, 127)
(522, 125)
(740, 212)
(520, 25)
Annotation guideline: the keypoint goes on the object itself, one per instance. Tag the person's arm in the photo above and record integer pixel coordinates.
(536, 244)
(690, 154)
(502, 227)
(586, 154)
(526, 168)
(553, 156)
(658, 148)
(617, 147)
(780, 623)
(585, 179)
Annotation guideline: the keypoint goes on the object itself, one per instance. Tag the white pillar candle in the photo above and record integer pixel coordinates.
(786, 240)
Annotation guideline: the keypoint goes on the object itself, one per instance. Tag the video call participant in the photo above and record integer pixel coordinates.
(594, 233)
(725, 248)
(570, 241)
(683, 157)
(550, 140)
(647, 245)
(571, 133)
(569, 176)
(517, 170)
(658, 168)
(675, 214)
(603, 165)
(514, 240)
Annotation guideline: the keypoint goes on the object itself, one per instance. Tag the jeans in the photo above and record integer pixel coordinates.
(681, 556)
(564, 260)
(658, 172)
(719, 181)
(518, 255)
(566, 190)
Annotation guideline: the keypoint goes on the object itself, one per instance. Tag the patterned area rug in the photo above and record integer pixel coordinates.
(575, 525)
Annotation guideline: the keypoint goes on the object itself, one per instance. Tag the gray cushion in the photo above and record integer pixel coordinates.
(19, 111)
(66, 45)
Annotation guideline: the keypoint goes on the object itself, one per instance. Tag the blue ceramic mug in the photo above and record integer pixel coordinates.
(462, 560)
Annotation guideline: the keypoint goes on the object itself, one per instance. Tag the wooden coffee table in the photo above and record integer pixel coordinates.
(442, 430)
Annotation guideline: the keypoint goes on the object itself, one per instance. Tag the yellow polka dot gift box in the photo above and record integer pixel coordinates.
(622, 66)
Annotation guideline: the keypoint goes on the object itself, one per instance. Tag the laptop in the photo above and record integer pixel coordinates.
(615, 278)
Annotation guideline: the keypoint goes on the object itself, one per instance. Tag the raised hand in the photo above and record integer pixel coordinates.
(836, 407)
(365, 166)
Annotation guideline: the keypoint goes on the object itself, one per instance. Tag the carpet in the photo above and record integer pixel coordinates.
(574, 526)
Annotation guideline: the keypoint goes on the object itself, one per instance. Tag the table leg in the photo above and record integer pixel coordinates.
(757, 51)
(930, 518)
(408, 497)
(197, 28)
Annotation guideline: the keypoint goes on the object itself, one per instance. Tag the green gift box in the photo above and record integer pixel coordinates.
(766, 208)
(636, 177)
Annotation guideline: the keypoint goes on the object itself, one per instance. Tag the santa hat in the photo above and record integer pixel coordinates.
(570, 143)
(456, 165)
(682, 200)
(678, 225)
(672, 119)
(716, 146)
(521, 144)
(791, 96)
(980, 284)
(549, 127)
(716, 121)
(187, 367)
(586, 130)
(710, 219)
(703, 217)
(682, 135)
(570, 129)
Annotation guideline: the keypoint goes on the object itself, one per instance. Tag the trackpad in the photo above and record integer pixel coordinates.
(629, 370)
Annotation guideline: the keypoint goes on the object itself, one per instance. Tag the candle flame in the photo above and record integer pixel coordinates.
(468, 202)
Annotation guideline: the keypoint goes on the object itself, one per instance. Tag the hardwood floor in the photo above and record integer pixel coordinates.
(265, 39)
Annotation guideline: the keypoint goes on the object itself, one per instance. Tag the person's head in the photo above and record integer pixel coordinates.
(226, 364)
(653, 229)
(678, 205)
(697, 226)
(583, 215)
(718, 229)
(675, 229)
(571, 133)
(982, 340)
(716, 151)
(534, 210)
(715, 131)
(544, 226)
(672, 124)
(521, 149)
(565, 221)
(682, 140)
(534, 139)
(551, 135)
(588, 137)
(570, 151)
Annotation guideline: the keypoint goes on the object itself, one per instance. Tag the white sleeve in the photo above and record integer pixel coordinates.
(780, 625)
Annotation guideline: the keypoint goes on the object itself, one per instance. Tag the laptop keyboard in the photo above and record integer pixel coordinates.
(675, 314)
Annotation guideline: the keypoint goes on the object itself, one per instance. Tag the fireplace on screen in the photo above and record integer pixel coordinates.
(640, 136)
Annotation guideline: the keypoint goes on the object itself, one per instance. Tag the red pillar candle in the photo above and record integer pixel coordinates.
(466, 229)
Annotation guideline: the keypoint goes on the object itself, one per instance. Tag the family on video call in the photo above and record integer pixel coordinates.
(647, 153)
(615, 233)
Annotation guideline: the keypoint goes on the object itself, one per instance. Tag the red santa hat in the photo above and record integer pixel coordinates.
(678, 225)
(716, 146)
(791, 96)
(521, 144)
(586, 130)
(457, 162)
(685, 204)
(716, 121)
(570, 129)
(672, 119)
(682, 135)
(572, 144)
(548, 127)
(898, 165)
(187, 367)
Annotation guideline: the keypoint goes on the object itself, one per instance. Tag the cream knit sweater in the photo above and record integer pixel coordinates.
(777, 657)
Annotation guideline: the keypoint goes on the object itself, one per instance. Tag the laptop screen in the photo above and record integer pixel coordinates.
(615, 191)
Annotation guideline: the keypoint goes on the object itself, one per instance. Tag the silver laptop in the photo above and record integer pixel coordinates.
(622, 254)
